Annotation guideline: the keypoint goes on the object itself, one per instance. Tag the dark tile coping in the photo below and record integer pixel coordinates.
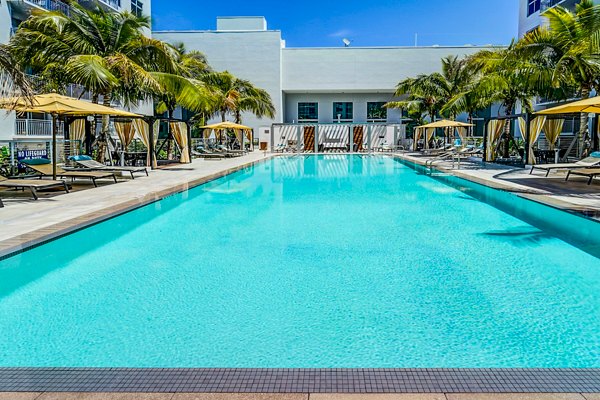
(236, 380)
(22, 243)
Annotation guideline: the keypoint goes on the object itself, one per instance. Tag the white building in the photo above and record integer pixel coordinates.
(36, 128)
(324, 85)
(530, 12)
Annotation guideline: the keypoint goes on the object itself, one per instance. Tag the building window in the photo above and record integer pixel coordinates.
(533, 6)
(137, 8)
(343, 111)
(376, 111)
(308, 111)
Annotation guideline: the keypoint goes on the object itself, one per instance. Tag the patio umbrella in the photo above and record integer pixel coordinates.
(223, 126)
(444, 123)
(591, 105)
(56, 104)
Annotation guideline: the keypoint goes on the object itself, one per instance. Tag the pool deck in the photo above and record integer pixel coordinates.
(26, 223)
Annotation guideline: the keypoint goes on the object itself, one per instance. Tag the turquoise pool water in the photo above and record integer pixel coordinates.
(317, 261)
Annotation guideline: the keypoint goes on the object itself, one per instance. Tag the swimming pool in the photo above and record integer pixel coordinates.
(308, 262)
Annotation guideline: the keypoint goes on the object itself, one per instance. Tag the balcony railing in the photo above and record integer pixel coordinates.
(116, 4)
(546, 4)
(52, 5)
(27, 127)
(59, 5)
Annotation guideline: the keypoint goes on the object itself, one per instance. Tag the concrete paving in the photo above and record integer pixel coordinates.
(25, 221)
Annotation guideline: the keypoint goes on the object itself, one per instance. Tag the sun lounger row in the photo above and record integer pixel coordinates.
(591, 161)
(92, 170)
(456, 155)
(217, 152)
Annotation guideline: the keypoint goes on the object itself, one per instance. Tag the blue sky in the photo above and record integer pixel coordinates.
(366, 22)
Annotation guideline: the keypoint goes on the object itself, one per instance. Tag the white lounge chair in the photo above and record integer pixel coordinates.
(591, 161)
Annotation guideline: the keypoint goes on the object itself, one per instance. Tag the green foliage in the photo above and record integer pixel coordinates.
(232, 96)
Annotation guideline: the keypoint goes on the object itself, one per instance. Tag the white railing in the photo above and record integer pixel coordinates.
(546, 4)
(113, 3)
(36, 127)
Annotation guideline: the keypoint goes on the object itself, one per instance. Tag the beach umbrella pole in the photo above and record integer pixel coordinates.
(54, 152)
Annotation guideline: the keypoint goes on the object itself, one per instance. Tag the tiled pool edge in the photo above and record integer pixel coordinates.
(300, 380)
(21, 243)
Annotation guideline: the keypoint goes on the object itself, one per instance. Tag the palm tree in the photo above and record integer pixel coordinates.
(187, 90)
(505, 78)
(571, 45)
(424, 92)
(13, 81)
(234, 96)
(462, 98)
(433, 91)
(105, 52)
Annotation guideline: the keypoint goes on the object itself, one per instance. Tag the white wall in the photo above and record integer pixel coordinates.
(326, 101)
(251, 55)
(354, 70)
(527, 23)
(241, 24)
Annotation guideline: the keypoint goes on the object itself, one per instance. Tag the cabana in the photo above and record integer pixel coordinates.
(430, 128)
(60, 106)
(556, 114)
(241, 131)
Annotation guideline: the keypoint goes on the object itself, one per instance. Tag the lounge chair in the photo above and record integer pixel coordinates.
(225, 149)
(44, 168)
(591, 161)
(32, 184)
(590, 173)
(225, 153)
(456, 155)
(438, 151)
(88, 163)
(203, 153)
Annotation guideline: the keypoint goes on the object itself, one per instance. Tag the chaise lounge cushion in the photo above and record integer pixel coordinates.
(82, 157)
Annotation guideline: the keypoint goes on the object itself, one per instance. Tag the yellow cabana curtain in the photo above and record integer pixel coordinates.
(535, 128)
(598, 130)
(125, 131)
(156, 132)
(495, 128)
(142, 128)
(77, 130)
(552, 130)
(428, 135)
(239, 135)
(461, 134)
(179, 131)
(418, 133)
